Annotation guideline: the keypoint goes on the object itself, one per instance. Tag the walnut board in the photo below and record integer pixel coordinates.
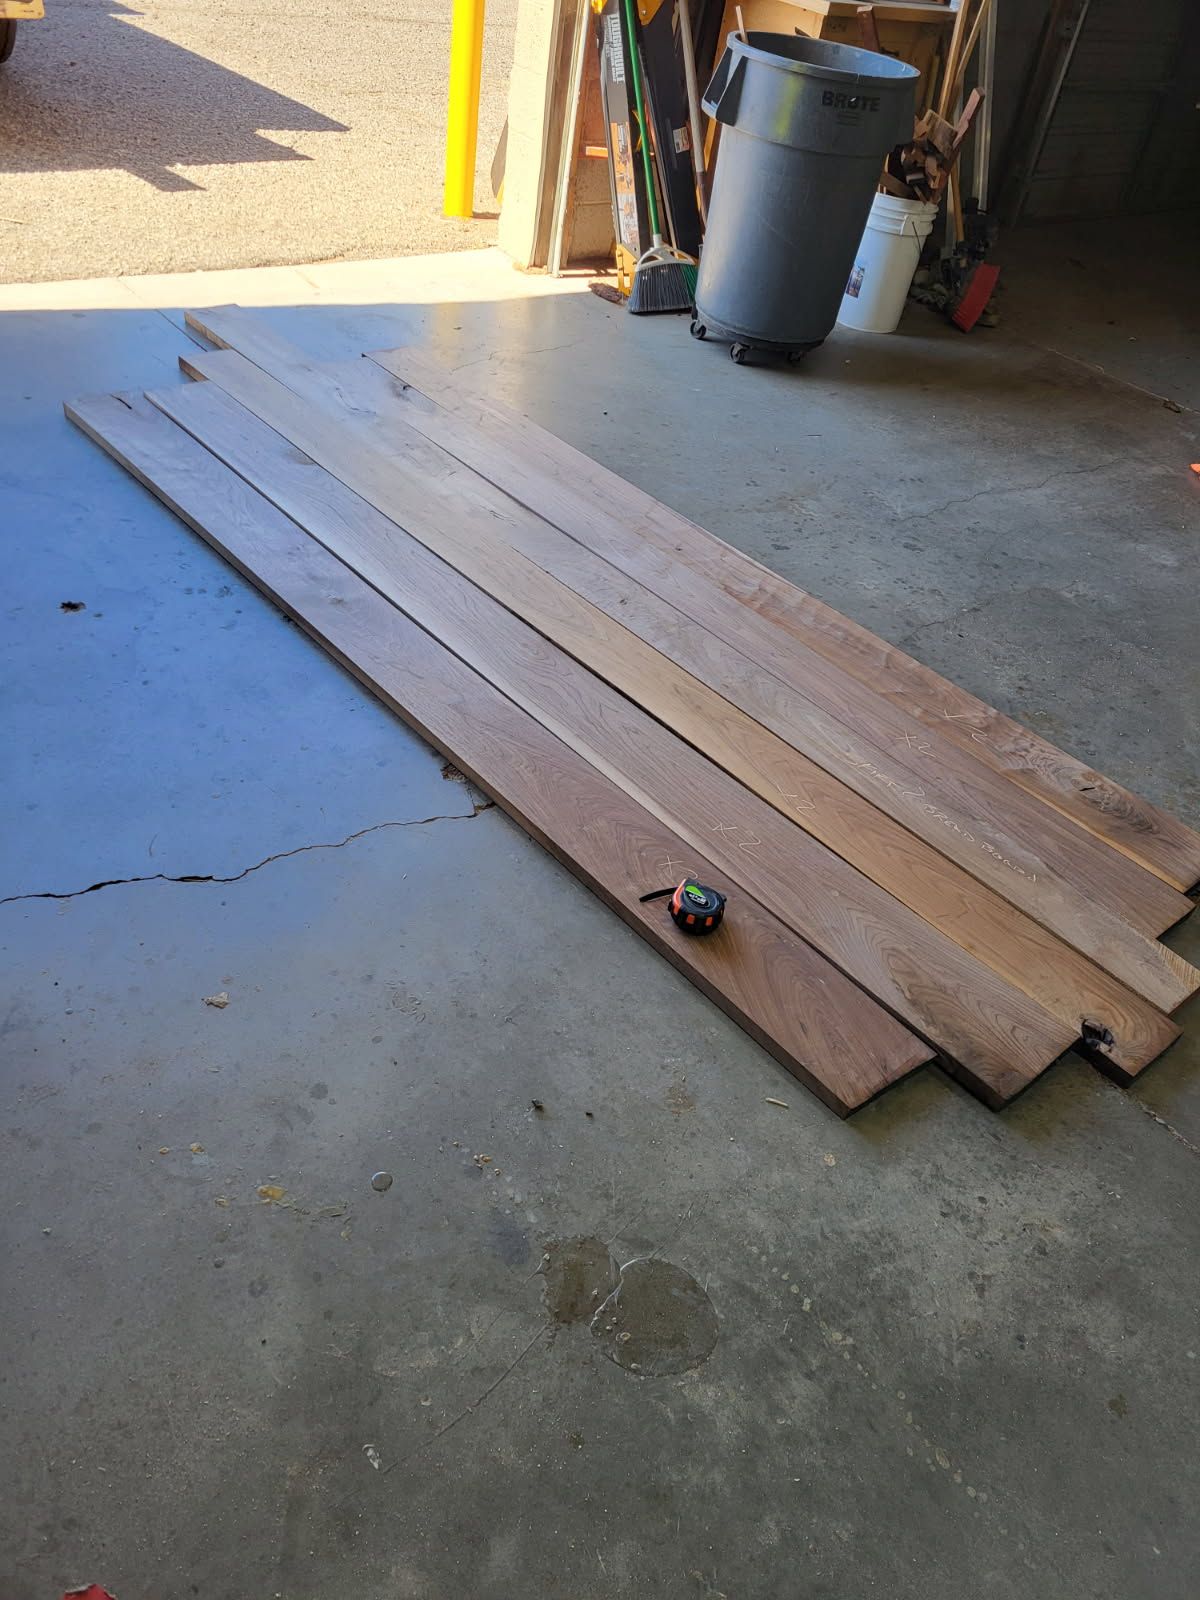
(1120, 819)
(769, 748)
(820, 1026)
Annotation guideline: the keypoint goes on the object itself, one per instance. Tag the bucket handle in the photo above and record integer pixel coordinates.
(724, 90)
(906, 221)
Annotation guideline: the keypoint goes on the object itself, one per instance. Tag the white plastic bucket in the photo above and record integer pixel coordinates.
(887, 258)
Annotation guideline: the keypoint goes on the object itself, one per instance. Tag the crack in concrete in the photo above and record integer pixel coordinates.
(1016, 488)
(280, 855)
(953, 616)
(474, 1405)
(1113, 378)
(1128, 1096)
(1163, 1123)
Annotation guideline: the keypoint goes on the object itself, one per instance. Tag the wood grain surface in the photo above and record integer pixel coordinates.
(891, 741)
(702, 803)
(696, 683)
(992, 1035)
(1125, 821)
(818, 1024)
(891, 737)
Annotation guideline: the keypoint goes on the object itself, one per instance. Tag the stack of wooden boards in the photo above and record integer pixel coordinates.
(911, 875)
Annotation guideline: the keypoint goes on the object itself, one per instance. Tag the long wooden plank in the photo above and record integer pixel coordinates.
(994, 1036)
(1125, 821)
(983, 824)
(763, 760)
(952, 826)
(989, 832)
(963, 784)
(965, 779)
(817, 1023)
(705, 806)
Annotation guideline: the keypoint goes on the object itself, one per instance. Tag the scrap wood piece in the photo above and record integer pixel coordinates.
(933, 130)
(772, 769)
(1101, 808)
(362, 406)
(895, 186)
(965, 118)
(927, 162)
(831, 1035)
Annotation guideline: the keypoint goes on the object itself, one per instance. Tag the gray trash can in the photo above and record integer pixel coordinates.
(806, 126)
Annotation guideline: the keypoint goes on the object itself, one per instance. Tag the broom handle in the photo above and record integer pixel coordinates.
(639, 98)
(964, 59)
(951, 68)
(693, 99)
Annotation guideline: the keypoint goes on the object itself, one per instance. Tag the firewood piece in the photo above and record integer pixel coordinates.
(894, 186)
(963, 126)
(935, 130)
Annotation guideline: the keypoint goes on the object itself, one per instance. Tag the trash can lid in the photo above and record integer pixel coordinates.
(810, 94)
(820, 58)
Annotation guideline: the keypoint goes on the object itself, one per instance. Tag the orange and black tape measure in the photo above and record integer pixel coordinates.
(695, 908)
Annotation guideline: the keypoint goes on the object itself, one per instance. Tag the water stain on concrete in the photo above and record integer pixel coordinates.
(649, 1316)
(578, 1276)
(657, 1320)
(680, 1099)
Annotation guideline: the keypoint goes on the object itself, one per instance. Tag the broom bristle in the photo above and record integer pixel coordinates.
(662, 286)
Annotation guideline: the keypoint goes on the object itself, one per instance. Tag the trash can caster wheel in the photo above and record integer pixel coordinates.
(738, 352)
(697, 330)
(795, 356)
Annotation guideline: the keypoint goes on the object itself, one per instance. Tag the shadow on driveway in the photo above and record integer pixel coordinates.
(130, 99)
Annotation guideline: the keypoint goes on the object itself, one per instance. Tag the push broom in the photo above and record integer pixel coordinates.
(664, 278)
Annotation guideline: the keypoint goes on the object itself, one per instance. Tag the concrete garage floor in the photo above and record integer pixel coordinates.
(956, 1352)
(168, 135)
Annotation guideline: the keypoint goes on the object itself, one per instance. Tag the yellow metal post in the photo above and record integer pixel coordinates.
(462, 116)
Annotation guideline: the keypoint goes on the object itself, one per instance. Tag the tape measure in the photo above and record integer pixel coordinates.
(694, 908)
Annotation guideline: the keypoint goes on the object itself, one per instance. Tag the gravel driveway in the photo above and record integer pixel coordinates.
(185, 135)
